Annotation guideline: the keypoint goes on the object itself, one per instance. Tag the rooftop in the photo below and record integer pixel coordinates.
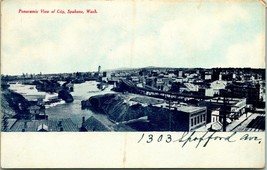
(219, 84)
(183, 107)
(190, 109)
(228, 100)
(53, 125)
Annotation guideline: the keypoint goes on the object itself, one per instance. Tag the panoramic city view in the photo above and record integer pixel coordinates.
(141, 66)
(141, 99)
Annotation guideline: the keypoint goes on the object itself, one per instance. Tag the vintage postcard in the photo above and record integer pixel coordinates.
(133, 84)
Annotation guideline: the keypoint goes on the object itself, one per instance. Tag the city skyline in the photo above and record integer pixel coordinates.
(132, 35)
(128, 68)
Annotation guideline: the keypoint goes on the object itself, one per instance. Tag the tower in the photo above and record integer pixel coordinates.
(98, 71)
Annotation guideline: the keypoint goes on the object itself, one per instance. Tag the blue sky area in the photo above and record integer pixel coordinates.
(131, 34)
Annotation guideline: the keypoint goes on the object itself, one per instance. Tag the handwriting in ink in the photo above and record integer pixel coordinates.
(161, 138)
(200, 140)
(206, 138)
(246, 137)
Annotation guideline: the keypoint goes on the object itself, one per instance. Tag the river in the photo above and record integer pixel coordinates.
(62, 110)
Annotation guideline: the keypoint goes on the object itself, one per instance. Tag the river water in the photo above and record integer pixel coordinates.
(62, 110)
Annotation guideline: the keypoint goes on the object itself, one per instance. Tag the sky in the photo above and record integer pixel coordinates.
(131, 34)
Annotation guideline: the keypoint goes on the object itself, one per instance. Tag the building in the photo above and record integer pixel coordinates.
(190, 117)
(35, 110)
(220, 108)
(226, 77)
(249, 91)
(38, 112)
(93, 124)
(43, 126)
(185, 117)
(135, 79)
(215, 74)
(213, 89)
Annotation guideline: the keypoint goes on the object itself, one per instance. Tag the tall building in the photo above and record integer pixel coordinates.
(245, 90)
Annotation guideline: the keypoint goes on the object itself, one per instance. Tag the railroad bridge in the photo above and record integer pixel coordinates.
(125, 85)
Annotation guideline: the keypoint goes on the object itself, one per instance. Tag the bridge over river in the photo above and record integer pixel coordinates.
(129, 86)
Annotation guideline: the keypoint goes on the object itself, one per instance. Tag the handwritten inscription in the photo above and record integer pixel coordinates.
(198, 139)
(58, 11)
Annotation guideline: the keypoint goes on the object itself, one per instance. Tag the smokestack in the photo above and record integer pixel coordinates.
(60, 123)
(99, 69)
(25, 125)
(83, 120)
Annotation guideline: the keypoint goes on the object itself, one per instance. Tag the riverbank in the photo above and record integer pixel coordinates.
(5, 108)
(121, 110)
(62, 110)
(14, 104)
